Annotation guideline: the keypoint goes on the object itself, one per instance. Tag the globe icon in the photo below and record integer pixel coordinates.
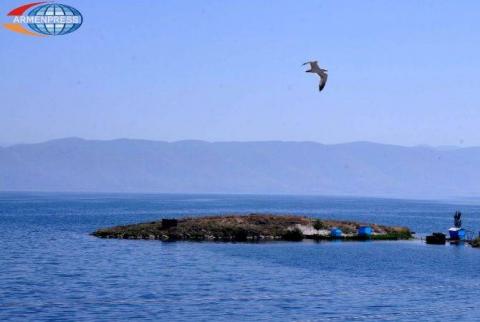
(71, 19)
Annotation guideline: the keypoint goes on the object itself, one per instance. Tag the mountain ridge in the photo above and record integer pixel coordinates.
(285, 167)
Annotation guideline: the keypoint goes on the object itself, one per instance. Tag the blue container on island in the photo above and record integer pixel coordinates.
(456, 233)
(336, 232)
(365, 231)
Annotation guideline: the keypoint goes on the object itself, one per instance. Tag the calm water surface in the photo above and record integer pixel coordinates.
(51, 269)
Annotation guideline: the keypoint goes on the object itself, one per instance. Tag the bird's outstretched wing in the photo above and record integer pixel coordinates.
(323, 81)
(312, 62)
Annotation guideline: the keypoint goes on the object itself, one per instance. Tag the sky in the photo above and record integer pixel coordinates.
(400, 72)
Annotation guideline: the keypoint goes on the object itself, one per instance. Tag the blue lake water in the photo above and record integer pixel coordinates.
(51, 269)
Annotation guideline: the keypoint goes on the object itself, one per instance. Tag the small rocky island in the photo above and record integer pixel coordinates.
(253, 227)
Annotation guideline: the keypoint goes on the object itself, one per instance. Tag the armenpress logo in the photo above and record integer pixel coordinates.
(44, 19)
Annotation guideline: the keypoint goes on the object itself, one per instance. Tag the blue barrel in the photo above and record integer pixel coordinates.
(456, 233)
(364, 231)
(335, 232)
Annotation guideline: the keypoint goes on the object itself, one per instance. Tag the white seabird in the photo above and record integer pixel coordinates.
(314, 68)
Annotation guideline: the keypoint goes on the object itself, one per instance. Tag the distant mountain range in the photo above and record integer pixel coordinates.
(357, 169)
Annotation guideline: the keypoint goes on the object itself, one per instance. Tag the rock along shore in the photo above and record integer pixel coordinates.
(252, 227)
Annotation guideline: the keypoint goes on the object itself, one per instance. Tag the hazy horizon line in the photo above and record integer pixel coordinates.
(445, 199)
(424, 145)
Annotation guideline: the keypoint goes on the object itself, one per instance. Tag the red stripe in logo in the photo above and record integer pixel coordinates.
(20, 10)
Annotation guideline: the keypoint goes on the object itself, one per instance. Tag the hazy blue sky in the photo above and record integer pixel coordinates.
(403, 72)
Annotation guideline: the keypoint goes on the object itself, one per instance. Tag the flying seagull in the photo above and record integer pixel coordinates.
(319, 71)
